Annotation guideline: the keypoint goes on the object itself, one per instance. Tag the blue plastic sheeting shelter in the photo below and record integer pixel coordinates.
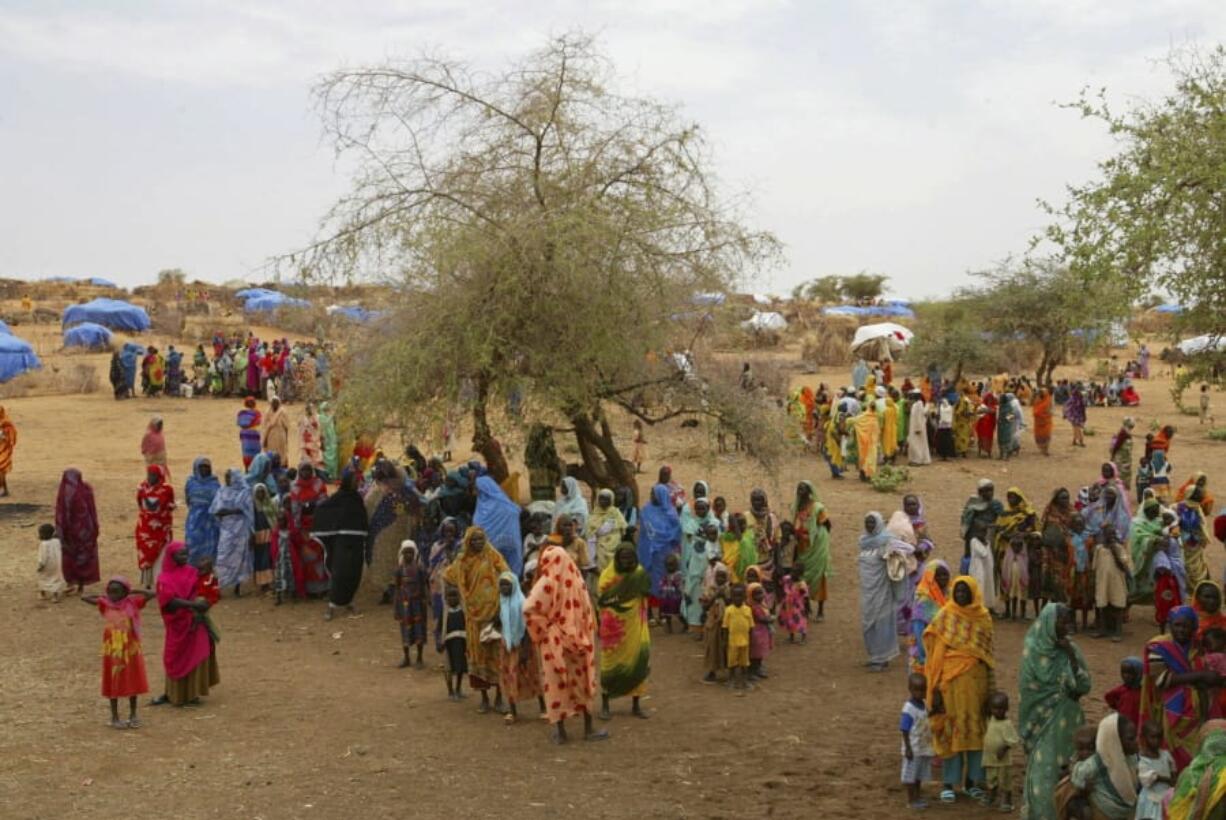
(891, 309)
(4, 328)
(87, 334)
(113, 313)
(1169, 309)
(356, 314)
(16, 357)
(273, 301)
(247, 293)
(98, 281)
(708, 299)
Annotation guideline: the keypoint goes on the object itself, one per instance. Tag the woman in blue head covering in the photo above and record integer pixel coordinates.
(234, 510)
(499, 517)
(201, 531)
(518, 673)
(659, 534)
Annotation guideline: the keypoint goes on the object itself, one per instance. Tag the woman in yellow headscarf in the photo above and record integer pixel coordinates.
(8, 440)
(475, 572)
(1019, 516)
(868, 440)
(959, 664)
(889, 429)
(964, 419)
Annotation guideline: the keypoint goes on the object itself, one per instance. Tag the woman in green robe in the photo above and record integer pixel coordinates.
(812, 529)
(327, 435)
(1053, 678)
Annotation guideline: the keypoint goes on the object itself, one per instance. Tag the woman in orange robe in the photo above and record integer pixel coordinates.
(1043, 420)
(8, 440)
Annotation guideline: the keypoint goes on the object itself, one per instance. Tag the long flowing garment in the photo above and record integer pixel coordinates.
(393, 511)
(475, 574)
(868, 440)
(959, 664)
(309, 441)
(1075, 409)
(76, 522)
(929, 598)
(153, 446)
(409, 601)
(519, 664)
(234, 509)
(155, 518)
(625, 639)
(918, 452)
(1145, 540)
(248, 421)
(1050, 684)
(154, 370)
(606, 527)
(695, 574)
(307, 555)
(1121, 456)
(1007, 425)
(189, 658)
(1176, 708)
(889, 429)
(498, 516)
(8, 440)
(200, 530)
(1059, 562)
(1014, 520)
(1194, 538)
(964, 417)
(327, 437)
(879, 595)
(442, 553)
(985, 427)
(341, 524)
(276, 434)
(559, 616)
(1043, 423)
(659, 534)
(1200, 792)
(813, 544)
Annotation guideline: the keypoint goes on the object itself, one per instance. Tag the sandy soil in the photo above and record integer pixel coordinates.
(314, 720)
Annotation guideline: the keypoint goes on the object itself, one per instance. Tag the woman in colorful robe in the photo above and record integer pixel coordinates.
(1200, 792)
(306, 554)
(811, 527)
(867, 430)
(76, 524)
(985, 427)
(155, 501)
(8, 440)
(625, 639)
(1042, 410)
(475, 573)
(201, 531)
(1174, 683)
(234, 509)
(249, 420)
(276, 431)
(189, 656)
(310, 442)
(153, 444)
(328, 442)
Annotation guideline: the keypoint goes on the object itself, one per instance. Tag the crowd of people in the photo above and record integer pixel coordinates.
(874, 422)
(232, 367)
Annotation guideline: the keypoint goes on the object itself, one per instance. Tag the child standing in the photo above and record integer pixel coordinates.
(794, 611)
(715, 644)
(50, 575)
(123, 665)
(737, 624)
(672, 589)
(409, 607)
(1155, 771)
(761, 641)
(1204, 408)
(640, 447)
(261, 537)
(1081, 590)
(207, 587)
(1145, 475)
(1126, 698)
(1037, 568)
(454, 643)
(519, 674)
(999, 739)
(1015, 578)
(916, 741)
(1112, 567)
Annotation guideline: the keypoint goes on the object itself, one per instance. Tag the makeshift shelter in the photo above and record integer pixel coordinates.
(1168, 308)
(268, 302)
(87, 335)
(16, 357)
(4, 328)
(1209, 343)
(883, 340)
(99, 282)
(248, 293)
(354, 313)
(113, 313)
(893, 309)
(766, 322)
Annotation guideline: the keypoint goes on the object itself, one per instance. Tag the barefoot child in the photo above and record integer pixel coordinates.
(794, 611)
(714, 602)
(455, 643)
(50, 575)
(737, 624)
(625, 639)
(760, 639)
(916, 741)
(409, 602)
(1000, 738)
(123, 665)
(1155, 771)
(519, 674)
(672, 590)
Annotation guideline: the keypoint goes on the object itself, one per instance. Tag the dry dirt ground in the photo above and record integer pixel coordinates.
(315, 720)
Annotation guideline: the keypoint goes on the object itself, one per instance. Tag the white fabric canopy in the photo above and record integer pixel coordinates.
(882, 340)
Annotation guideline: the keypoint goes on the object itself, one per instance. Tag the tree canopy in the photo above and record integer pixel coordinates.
(548, 234)
(859, 287)
(1154, 217)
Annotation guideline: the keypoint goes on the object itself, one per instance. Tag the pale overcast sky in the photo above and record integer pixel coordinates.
(907, 137)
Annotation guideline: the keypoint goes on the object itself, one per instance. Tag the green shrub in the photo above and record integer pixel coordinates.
(890, 478)
(1218, 434)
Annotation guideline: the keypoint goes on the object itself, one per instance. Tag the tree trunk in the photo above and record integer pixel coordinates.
(483, 440)
(958, 374)
(603, 466)
(1045, 366)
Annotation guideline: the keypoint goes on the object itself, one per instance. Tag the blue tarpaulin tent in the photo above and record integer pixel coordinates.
(1169, 309)
(892, 309)
(16, 357)
(112, 313)
(98, 281)
(247, 293)
(355, 313)
(87, 334)
(4, 328)
(273, 301)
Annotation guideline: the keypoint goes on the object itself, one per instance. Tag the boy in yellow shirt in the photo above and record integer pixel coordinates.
(738, 621)
(998, 740)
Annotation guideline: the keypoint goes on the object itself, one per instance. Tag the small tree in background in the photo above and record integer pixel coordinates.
(951, 335)
(863, 286)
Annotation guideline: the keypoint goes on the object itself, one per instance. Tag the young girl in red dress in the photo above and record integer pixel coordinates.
(123, 665)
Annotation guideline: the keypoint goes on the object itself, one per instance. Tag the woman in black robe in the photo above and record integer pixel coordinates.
(341, 525)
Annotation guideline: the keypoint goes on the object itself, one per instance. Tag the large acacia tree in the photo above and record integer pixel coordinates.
(547, 232)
